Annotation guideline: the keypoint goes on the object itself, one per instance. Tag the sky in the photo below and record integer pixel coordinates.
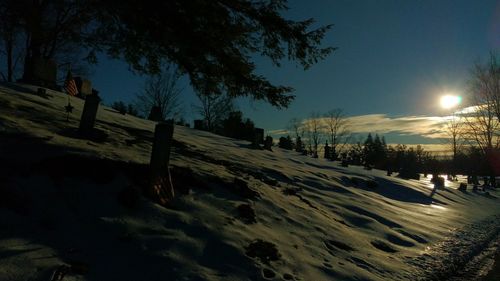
(395, 59)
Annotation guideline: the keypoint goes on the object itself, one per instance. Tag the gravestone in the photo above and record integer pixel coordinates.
(486, 181)
(327, 152)
(84, 86)
(89, 114)
(161, 189)
(155, 114)
(198, 124)
(41, 92)
(258, 137)
(268, 143)
(437, 181)
(44, 72)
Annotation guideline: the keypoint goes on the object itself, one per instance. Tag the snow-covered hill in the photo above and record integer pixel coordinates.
(240, 214)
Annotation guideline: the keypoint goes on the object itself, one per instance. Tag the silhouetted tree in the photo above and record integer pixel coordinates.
(213, 108)
(161, 90)
(409, 162)
(211, 41)
(455, 130)
(10, 35)
(124, 108)
(55, 29)
(248, 130)
(337, 127)
(355, 155)
(286, 143)
(296, 128)
(120, 106)
(375, 152)
(299, 145)
(233, 125)
(483, 122)
(132, 110)
(312, 128)
(368, 151)
(182, 122)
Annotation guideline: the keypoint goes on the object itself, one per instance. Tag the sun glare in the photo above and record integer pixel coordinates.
(450, 101)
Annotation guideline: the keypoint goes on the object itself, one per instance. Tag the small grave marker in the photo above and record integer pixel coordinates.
(258, 137)
(89, 114)
(198, 124)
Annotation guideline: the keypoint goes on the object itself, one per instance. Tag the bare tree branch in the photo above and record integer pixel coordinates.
(313, 130)
(483, 122)
(213, 108)
(337, 127)
(161, 90)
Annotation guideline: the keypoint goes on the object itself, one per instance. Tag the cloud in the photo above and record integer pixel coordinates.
(425, 126)
(279, 132)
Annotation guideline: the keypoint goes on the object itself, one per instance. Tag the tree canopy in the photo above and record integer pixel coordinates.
(214, 42)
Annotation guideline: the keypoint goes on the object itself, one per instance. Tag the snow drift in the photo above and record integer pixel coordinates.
(240, 214)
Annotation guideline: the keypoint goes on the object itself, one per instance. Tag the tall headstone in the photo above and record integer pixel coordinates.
(258, 137)
(44, 72)
(161, 189)
(268, 143)
(155, 114)
(89, 114)
(84, 86)
(327, 151)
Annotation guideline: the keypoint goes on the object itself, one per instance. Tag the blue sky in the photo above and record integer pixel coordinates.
(395, 58)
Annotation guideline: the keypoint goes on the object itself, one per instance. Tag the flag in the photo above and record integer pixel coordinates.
(70, 85)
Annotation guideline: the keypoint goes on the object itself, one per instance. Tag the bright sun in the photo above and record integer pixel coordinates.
(449, 101)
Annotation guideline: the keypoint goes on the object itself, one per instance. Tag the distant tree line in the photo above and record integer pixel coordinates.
(403, 160)
(309, 134)
(231, 124)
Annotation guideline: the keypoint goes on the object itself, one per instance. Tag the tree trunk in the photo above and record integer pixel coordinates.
(34, 40)
(9, 48)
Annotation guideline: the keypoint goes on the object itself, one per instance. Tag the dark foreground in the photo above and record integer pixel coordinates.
(494, 274)
(485, 266)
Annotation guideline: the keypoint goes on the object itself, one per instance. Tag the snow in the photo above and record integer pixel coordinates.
(326, 222)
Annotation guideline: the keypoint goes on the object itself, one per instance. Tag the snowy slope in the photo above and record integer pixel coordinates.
(61, 202)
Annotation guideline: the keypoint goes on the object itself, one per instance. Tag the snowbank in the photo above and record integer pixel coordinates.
(242, 214)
